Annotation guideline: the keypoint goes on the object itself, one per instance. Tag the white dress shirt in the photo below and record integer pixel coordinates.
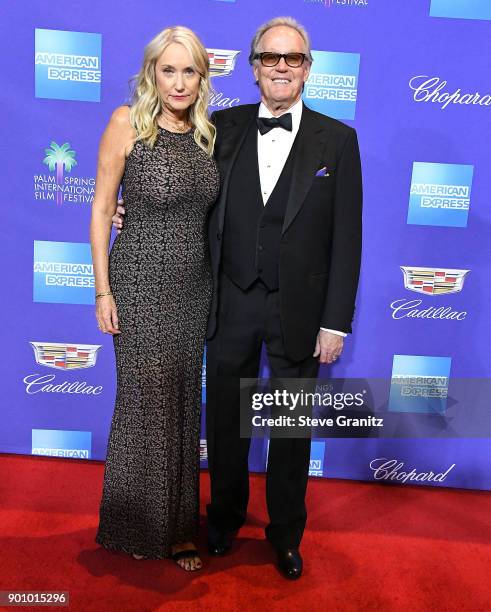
(273, 149)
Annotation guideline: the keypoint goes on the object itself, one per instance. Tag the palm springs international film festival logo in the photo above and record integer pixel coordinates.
(67, 65)
(64, 357)
(63, 273)
(62, 443)
(332, 86)
(222, 63)
(429, 282)
(440, 194)
(419, 383)
(461, 9)
(61, 186)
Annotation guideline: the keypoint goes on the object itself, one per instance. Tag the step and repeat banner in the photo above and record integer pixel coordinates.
(411, 76)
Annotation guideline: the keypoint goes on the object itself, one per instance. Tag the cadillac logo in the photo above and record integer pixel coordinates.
(65, 356)
(433, 281)
(222, 61)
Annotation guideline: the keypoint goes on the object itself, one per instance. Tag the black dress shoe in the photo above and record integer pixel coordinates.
(290, 563)
(220, 543)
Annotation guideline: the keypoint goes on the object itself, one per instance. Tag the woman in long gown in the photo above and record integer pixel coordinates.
(153, 294)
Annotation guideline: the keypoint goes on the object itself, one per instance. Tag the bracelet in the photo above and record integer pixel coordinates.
(103, 294)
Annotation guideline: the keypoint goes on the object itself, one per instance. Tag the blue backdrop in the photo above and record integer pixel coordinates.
(411, 77)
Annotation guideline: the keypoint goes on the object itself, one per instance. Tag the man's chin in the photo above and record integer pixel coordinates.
(279, 98)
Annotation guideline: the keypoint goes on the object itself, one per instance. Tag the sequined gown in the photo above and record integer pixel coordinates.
(160, 276)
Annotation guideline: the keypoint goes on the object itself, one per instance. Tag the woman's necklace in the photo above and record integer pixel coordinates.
(175, 127)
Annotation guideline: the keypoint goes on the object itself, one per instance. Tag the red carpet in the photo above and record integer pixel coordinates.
(367, 547)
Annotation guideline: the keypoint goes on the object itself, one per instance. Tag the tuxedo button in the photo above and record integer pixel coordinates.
(259, 270)
(260, 247)
(219, 236)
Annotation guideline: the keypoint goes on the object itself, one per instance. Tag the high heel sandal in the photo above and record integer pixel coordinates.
(191, 553)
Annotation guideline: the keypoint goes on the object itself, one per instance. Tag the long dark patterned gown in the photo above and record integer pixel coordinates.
(161, 280)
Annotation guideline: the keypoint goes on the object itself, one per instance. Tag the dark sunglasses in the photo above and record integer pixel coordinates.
(270, 59)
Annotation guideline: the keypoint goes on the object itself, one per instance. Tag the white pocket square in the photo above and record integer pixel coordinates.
(322, 172)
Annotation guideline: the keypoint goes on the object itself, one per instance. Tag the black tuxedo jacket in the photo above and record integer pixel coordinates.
(320, 249)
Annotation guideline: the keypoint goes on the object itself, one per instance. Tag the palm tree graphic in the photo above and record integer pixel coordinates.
(60, 158)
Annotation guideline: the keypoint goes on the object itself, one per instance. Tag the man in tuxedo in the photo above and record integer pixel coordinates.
(285, 243)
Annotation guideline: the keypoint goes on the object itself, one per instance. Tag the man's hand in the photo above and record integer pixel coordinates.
(328, 346)
(118, 217)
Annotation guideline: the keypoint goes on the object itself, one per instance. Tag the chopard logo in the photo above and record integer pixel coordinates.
(432, 89)
(391, 469)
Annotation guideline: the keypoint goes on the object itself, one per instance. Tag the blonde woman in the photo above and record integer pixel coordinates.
(153, 294)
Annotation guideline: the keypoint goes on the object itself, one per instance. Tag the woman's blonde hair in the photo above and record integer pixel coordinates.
(146, 104)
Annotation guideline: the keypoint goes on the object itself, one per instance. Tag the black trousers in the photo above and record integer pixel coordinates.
(246, 320)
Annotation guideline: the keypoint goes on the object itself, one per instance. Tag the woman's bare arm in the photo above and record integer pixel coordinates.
(116, 142)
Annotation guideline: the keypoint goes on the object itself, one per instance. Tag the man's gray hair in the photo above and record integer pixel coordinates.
(289, 22)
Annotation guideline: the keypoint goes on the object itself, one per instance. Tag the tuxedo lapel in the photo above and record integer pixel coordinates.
(233, 134)
(311, 139)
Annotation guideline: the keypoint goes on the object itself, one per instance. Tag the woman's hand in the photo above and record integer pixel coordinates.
(107, 315)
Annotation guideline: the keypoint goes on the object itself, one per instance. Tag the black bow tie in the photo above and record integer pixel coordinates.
(265, 124)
